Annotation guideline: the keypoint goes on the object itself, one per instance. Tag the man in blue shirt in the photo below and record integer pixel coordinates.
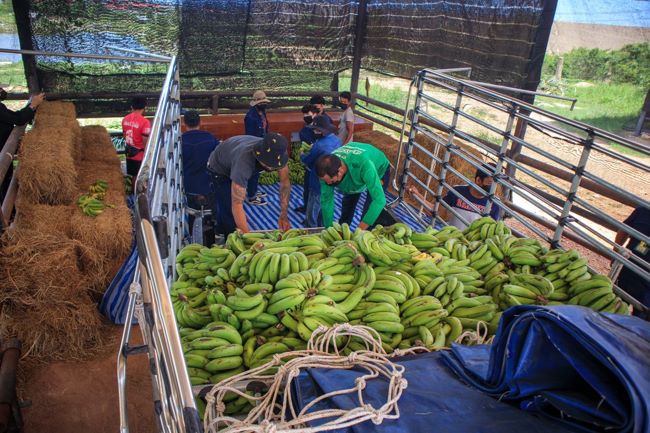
(326, 143)
(307, 136)
(197, 147)
(257, 125)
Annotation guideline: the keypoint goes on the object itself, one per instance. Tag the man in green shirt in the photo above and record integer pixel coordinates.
(354, 168)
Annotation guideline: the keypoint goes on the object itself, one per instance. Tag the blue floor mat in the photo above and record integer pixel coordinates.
(266, 217)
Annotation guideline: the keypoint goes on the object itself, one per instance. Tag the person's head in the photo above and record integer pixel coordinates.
(138, 103)
(319, 102)
(344, 99)
(271, 152)
(260, 101)
(322, 126)
(330, 169)
(192, 119)
(483, 176)
(308, 113)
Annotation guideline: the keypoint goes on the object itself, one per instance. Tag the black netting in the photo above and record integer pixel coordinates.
(282, 45)
(494, 37)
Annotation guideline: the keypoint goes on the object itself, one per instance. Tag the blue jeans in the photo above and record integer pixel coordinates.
(305, 188)
(251, 188)
(313, 215)
(225, 222)
(350, 201)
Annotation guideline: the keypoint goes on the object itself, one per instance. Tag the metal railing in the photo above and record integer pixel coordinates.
(158, 220)
(444, 119)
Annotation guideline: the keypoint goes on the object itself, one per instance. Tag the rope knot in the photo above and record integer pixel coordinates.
(268, 426)
(377, 415)
(221, 407)
(398, 352)
(360, 382)
(352, 357)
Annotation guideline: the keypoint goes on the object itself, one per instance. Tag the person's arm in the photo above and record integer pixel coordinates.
(309, 159)
(285, 193)
(350, 126)
(238, 193)
(327, 203)
(414, 192)
(19, 117)
(250, 125)
(376, 192)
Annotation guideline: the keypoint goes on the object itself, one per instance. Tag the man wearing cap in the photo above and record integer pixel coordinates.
(319, 102)
(197, 147)
(9, 119)
(257, 125)
(233, 163)
(354, 168)
(326, 142)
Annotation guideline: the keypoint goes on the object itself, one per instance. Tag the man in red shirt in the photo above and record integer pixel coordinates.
(136, 131)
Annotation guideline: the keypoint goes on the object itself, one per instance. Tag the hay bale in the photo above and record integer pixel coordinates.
(44, 218)
(97, 145)
(110, 233)
(91, 171)
(47, 172)
(38, 267)
(60, 329)
(57, 108)
(53, 124)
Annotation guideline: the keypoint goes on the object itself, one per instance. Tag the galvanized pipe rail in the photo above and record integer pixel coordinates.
(560, 214)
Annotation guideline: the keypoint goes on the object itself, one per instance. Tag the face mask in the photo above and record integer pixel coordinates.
(261, 107)
(343, 106)
(3, 95)
(317, 133)
(307, 119)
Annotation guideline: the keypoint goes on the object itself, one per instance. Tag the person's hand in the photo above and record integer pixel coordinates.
(36, 100)
(283, 223)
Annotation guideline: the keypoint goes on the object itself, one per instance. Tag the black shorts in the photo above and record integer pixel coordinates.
(133, 167)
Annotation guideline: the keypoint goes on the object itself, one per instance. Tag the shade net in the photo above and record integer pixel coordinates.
(283, 45)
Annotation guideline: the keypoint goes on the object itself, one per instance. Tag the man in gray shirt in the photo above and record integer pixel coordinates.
(346, 122)
(235, 161)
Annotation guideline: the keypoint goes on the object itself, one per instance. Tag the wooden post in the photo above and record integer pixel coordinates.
(24, 26)
(558, 68)
(645, 111)
(359, 36)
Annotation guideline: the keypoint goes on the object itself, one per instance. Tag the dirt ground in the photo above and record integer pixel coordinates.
(567, 36)
(74, 397)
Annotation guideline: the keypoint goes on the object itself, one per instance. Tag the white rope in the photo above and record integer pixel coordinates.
(479, 336)
(274, 411)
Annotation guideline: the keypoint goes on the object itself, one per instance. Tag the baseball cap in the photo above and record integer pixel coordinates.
(322, 123)
(259, 97)
(272, 151)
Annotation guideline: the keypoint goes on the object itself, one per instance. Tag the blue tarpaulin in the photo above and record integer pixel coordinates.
(568, 363)
(560, 369)
(434, 401)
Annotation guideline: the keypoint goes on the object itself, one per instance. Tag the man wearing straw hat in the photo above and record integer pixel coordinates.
(233, 163)
(9, 119)
(257, 125)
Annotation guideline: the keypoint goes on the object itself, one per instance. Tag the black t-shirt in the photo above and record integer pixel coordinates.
(639, 220)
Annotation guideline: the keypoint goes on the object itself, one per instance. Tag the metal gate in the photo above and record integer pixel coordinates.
(450, 111)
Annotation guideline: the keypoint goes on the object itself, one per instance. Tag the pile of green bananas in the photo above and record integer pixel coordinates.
(414, 289)
(296, 174)
(92, 204)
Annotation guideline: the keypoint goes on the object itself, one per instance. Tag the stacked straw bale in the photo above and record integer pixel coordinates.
(55, 262)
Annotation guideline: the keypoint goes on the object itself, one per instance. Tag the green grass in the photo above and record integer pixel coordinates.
(612, 107)
(7, 20)
(13, 74)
